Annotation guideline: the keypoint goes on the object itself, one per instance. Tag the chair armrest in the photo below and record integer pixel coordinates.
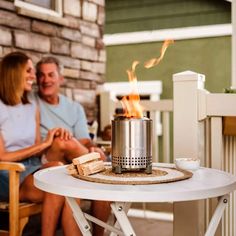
(11, 166)
(14, 169)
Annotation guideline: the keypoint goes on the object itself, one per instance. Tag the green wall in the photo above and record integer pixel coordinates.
(208, 56)
(139, 15)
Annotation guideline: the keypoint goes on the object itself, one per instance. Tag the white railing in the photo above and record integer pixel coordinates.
(223, 156)
(229, 165)
(198, 133)
(163, 108)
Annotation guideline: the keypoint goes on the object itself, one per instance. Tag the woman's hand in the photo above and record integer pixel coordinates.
(61, 133)
(50, 136)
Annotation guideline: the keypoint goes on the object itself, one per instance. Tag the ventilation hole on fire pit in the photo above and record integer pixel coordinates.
(140, 162)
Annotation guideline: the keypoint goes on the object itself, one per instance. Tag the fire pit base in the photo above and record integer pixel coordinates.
(119, 169)
(159, 175)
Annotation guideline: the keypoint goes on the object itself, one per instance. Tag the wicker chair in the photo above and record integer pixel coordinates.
(19, 212)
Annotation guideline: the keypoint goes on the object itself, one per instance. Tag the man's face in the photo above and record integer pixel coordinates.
(49, 80)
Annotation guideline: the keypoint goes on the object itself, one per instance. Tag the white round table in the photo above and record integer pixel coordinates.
(205, 183)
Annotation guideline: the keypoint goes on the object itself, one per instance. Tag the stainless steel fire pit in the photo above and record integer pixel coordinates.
(131, 144)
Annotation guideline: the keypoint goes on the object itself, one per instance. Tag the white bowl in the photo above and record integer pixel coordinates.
(187, 163)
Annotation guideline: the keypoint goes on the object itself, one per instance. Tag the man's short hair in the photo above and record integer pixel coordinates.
(49, 60)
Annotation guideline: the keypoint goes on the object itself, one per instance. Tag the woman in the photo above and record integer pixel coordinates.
(20, 142)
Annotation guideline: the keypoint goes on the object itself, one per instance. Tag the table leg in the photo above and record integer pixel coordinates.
(120, 209)
(114, 230)
(218, 213)
(79, 217)
(116, 225)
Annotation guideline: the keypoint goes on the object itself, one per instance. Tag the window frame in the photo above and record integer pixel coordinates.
(38, 9)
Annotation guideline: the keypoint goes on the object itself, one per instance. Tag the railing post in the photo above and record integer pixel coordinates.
(233, 14)
(107, 107)
(189, 217)
(186, 125)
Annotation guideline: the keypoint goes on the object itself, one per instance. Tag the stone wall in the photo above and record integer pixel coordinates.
(75, 39)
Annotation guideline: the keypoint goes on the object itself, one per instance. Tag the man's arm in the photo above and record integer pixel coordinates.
(82, 133)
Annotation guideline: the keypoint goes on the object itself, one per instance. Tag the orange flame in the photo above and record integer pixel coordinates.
(155, 61)
(130, 103)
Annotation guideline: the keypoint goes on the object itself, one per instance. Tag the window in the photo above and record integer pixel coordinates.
(43, 3)
(48, 7)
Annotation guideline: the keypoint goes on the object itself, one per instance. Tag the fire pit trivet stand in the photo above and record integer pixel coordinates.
(159, 175)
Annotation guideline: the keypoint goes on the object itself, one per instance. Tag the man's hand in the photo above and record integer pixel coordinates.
(99, 150)
(63, 134)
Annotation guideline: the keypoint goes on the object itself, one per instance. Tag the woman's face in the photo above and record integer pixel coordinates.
(29, 75)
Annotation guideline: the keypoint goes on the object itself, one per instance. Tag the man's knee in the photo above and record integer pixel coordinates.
(73, 144)
(70, 148)
(59, 144)
(52, 163)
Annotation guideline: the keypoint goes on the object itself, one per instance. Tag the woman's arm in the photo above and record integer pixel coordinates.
(37, 119)
(24, 153)
(38, 147)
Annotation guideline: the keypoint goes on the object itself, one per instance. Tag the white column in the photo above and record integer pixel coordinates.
(188, 216)
(107, 108)
(233, 16)
(186, 125)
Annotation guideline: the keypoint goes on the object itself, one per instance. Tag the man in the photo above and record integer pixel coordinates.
(56, 110)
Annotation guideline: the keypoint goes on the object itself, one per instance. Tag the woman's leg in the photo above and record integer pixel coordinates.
(100, 210)
(69, 225)
(28, 192)
(52, 208)
(52, 204)
(65, 150)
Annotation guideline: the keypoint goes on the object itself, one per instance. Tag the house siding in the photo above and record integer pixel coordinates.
(140, 15)
(210, 56)
(206, 56)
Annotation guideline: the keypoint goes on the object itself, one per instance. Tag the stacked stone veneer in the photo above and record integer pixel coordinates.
(75, 38)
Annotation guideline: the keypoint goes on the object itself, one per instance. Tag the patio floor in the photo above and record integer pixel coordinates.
(161, 226)
(151, 227)
(147, 227)
(150, 223)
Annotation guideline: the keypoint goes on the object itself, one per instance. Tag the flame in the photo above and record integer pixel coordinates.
(130, 103)
(155, 61)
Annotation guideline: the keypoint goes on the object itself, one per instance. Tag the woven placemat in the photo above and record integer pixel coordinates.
(159, 175)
